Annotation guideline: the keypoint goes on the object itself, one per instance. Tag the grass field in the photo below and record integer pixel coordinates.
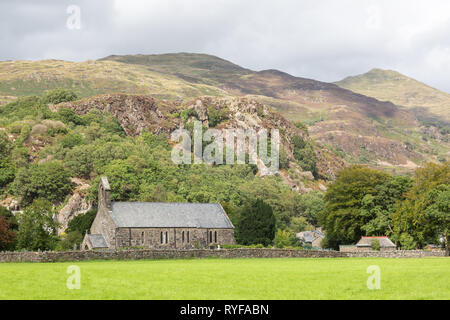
(279, 279)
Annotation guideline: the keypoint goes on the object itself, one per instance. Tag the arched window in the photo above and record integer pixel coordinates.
(182, 236)
(167, 237)
(210, 237)
(162, 238)
(215, 236)
(142, 238)
(188, 236)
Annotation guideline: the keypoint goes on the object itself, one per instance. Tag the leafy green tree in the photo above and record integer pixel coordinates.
(5, 144)
(310, 205)
(378, 209)
(7, 172)
(421, 217)
(82, 222)
(37, 228)
(438, 213)
(79, 161)
(8, 229)
(256, 224)
(68, 116)
(375, 243)
(341, 218)
(48, 181)
(71, 239)
(59, 95)
(284, 238)
(123, 180)
(305, 155)
(7, 235)
(71, 140)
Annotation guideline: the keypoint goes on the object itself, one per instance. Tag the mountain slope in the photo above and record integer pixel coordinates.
(356, 127)
(22, 78)
(388, 85)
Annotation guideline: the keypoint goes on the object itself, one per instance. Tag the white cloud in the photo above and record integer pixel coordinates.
(323, 39)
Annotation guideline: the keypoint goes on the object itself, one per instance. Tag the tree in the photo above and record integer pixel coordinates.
(378, 208)
(311, 204)
(438, 213)
(48, 181)
(37, 228)
(7, 170)
(341, 218)
(284, 238)
(8, 229)
(59, 95)
(375, 244)
(82, 222)
(256, 224)
(422, 216)
(70, 239)
(305, 155)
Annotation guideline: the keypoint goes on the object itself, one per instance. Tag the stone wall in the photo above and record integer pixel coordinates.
(172, 238)
(52, 256)
(396, 254)
(354, 248)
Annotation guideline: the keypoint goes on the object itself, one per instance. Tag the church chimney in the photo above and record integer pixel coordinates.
(104, 194)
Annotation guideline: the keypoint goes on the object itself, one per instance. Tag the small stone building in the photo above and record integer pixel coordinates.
(156, 225)
(365, 244)
(313, 238)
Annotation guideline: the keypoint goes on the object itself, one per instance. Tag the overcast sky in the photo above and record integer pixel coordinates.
(322, 39)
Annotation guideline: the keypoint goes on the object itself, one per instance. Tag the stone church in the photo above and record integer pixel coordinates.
(156, 225)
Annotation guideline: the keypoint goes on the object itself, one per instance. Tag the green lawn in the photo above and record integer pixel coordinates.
(283, 279)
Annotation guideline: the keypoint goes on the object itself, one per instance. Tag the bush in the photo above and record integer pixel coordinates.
(8, 230)
(285, 239)
(37, 229)
(305, 155)
(7, 172)
(70, 239)
(216, 116)
(48, 181)
(59, 95)
(375, 244)
(82, 223)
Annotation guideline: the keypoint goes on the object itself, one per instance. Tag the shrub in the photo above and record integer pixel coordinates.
(375, 244)
(82, 223)
(37, 229)
(59, 95)
(285, 239)
(69, 240)
(48, 181)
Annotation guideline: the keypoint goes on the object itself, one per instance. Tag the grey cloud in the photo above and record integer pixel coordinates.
(325, 39)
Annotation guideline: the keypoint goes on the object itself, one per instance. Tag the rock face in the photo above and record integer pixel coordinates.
(135, 113)
(76, 205)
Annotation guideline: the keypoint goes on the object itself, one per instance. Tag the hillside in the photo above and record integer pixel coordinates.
(388, 85)
(59, 151)
(355, 127)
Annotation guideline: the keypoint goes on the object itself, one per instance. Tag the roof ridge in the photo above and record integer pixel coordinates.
(212, 203)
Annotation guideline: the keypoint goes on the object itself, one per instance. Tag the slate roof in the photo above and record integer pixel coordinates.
(385, 242)
(169, 215)
(97, 241)
(309, 236)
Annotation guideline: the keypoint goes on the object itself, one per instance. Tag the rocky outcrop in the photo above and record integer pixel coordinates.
(77, 204)
(135, 113)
